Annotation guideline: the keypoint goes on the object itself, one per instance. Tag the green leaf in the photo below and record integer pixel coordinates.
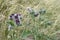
(25, 33)
(11, 23)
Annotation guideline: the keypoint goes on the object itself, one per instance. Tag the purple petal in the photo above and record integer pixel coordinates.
(17, 22)
(16, 17)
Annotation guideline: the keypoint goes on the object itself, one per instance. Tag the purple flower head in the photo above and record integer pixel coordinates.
(17, 22)
(11, 16)
(16, 18)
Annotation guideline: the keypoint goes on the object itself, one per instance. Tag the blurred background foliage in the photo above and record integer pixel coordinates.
(47, 28)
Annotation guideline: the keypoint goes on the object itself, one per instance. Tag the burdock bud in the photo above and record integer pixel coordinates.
(30, 10)
(42, 11)
(36, 14)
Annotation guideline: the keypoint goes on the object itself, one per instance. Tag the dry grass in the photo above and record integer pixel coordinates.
(49, 32)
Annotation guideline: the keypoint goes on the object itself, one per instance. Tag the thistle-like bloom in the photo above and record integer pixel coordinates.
(16, 18)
